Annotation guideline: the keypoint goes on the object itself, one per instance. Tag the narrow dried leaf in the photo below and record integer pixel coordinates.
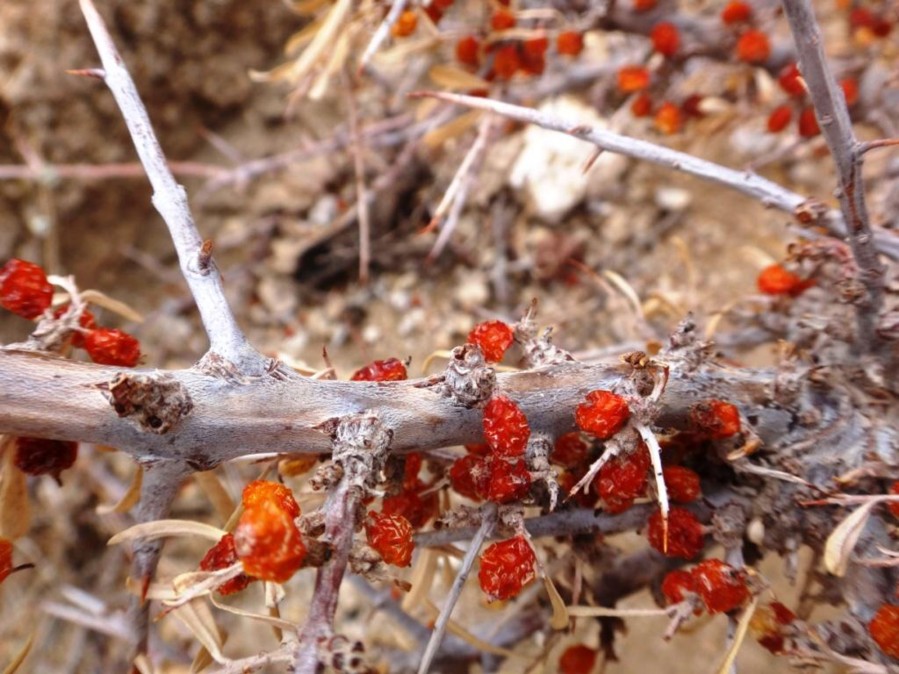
(142, 664)
(841, 542)
(606, 611)
(453, 78)
(739, 637)
(197, 617)
(19, 657)
(336, 61)
(15, 508)
(280, 623)
(165, 529)
(560, 618)
(456, 629)
(307, 6)
(115, 306)
(302, 37)
(625, 289)
(422, 577)
(201, 661)
(452, 129)
(323, 42)
(215, 491)
(276, 74)
(129, 498)
(157, 591)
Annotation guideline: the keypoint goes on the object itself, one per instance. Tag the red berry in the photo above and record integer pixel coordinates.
(502, 19)
(644, 5)
(676, 585)
(509, 481)
(767, 625)
(390, 369)
(536, 46)
(505, 427)
(775, 280)
(412, 505)
(808, 123)
(469, 476)
(268, 542)
(220, 556)
(779, 118)
(691, 106)
(850, 90)
(721, 586)
(642, 105)
(109, 346)
(40, 456)
(5, 559)
(685, 537)
(506, 567)
(884, 629)
(405, 25)
(736, 12)
(468, 51)
(259, 491)
(668, 118)
(412, 464)
(391, 537)
(715, 419)
(493, 338)
(569, 43)
(24, 288)
(506, 61)
(622, 479)
(569, 450)
(86, 321)
(753, 47)
(577, 659)
(603, 414)
(665, 39)
(894, 506)
(481, 449)
(682, 484)
(632, 78)
(790, 80)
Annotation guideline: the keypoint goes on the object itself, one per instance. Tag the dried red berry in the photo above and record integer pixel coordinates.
(632, 78)
(682, 484)
(894, 506)
(668, 118)
(469, 476)
(5, 559)
(775, 280)
(753, 47)
(109, 346)
(86, 321)
(736, 12)
(389, 369)
(577, 659)
(779, 118)
(405, 25)
(884, 629)
(767, 625)
(24, 288)
(850, 90)
(506, 567)
(268, 542)
(220, 556)
(502, 19)
(493, 338)
(412, 505)
(468, 51)
(603, 414)
(685, 537)
(259, 491)
(665, 38)
(40, 456)
(506, 61)
(641, 106)
(790, 80)
(569, 43)
(391, 537)
(721, 586)
(509, 481)
(569, 450)
(644, 5)
(808, 123)
(622, 479)
(505, 427)
(715, 419)
(676, 585)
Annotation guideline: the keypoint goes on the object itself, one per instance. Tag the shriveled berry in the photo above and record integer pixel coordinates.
(502, 19)
(40, 456)
(220, 556)
(259, 491)
(506, 567)
(569, 450)
(682, 484)
(808, 123)
(632, 78)
(665, 38)
(469, 476)
(577, 659)
(894, 506)
(642, 105)
(505, 427)
(389, 369)
(86, 321)
(110, 346)
(509, 481)
(721, 586)
(623, 478)
(715, 419)
(493, 338)
(685, 537)
(884, 629)
(5, 559)
(391, 537)
(691, 106)
(779, 118)
(676, 585)
(412, 465)
(668, 118)
(569, 43)
(736, 12)
(790, 80)
(481, 449)
(768, 625)
(775, 280)
(412, 505)
(603, 414)
(405, 25)
(753, 47)
(268, 542)
(506, 61)
(24, 288)
(468, 51)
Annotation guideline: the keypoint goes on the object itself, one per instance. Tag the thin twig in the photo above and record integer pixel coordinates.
(396, 10)
(225, 337)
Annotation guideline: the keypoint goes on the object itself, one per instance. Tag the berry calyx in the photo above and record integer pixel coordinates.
(268, 542)
(506, 567)
(40, 456)
(753, 47)
(603, 414)
(577, 659)
(493, 338)
(715, 419)
(775, 280)
(682, 484)
(220, 556)
(259, 491)
(779, 118)
(24, 288)
(632, 78)
(569, 43)
(110, 346)
(391, 537)
(676, 585)
(505, 427)
(685, 537)
(884, 629)
(665, 39)
(721, 586)
(389, 369)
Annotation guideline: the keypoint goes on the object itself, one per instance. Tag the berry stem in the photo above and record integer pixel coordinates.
(655, 455)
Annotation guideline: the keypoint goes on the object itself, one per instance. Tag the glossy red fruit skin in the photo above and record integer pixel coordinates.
(775, 280)
(736, 12)
(665, 39)
(5, 559)
(493, 338)
(622, 479)
(259, 491)
(505, 427)
(790, 80)
(685, 538)
(884, 629)
(603, 414)
(391, 537)
(109, 346)
(506, 567)
(715, 419)
(268, 542)
(389, 369)
(632, 79)
(577, 659)
(569, 450)
(469, 476)
(509, 481)
(682, 483)
(24, 288)
(721, 586)
(220, 556)
(40, 456)
(676, 585)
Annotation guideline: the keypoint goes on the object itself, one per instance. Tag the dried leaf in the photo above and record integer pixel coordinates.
(739, 637)
(456, 629)
(129, 498)
(452, 129)
(115, 306)
(453, 78)
(142, 664)
(422, 577)
(842, 540)
(197, 617)
(560, 618)
(19, 658)
(166, 528)
(307, 6)
(302, 37)
(215, 491)
(280, 623)
(15, 508)
(607, 611)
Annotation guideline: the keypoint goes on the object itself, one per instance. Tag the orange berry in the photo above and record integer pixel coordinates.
(577, 659)
(493, 338)
(502, 19)
(721, 586)
(533, 55)
(753, 47)
(570, 43)
(268, 542)
(715, 419)
(779, 118)
(808, 123)
(775, 280)
(391, 537)
(850, 90)
(468, 51)
(632, 78)
(642, 105)
(506, 567)
(389, 369)
(884, 629)
(665, 38)
(685, 537)
(405, 25)
(676, 585)
(259, 491)
(506, 61)
(736, 12)
(603, 414)
(668, 119)
(790, 80)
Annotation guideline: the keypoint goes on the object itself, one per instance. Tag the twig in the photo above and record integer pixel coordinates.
(381, 33)
(51, 173)
(768, 193)
(836, 127)
(225, 337)
(487, 524)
